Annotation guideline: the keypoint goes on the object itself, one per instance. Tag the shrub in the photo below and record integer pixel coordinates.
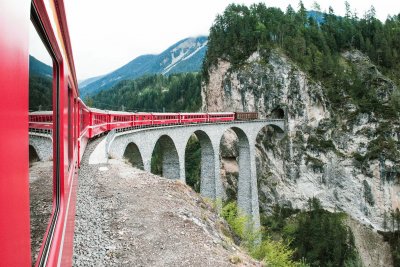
(273, 253)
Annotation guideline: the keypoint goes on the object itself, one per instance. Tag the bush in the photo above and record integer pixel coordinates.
(273, 253)
(302, 232)
(193, 163)
(276, 253)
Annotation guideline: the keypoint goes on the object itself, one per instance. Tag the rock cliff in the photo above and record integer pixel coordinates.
(325, 153)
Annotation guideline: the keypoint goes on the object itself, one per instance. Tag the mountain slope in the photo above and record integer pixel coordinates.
(40, 85)
(39, 68)
(85, 82)
(185, 56)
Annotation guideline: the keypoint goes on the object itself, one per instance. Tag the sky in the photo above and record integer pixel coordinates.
(106, 34)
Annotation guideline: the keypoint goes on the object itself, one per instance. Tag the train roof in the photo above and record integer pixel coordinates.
(220, 113)
(119, 112)
(109, 111)
(46, 112)
(165, 113)
(193, 113)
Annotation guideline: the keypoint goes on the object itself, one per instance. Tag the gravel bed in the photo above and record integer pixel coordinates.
(92, 240)
(41, 200)
(128, 217)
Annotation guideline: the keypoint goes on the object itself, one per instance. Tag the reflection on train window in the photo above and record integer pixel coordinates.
(40, 139)
(70, 127)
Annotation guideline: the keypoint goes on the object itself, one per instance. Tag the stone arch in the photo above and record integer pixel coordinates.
(267, 140)
(271, 131)
(33, 155)
(133, 155)
(169, 156)
(207, 164)
(278, 113)
(277, 128)
(43, 146)
(244, 195)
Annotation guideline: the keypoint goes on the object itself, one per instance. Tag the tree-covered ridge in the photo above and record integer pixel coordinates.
(318, 236)
(182, 57)
(40, 93)
(316, 47)
(40, 85)
(242, 30)
(174, 93)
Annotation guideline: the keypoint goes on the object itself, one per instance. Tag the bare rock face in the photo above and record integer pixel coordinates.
(316, 157)
(373, 250)
(229, 145)
(385, 87)
(229, 176)
(229, 165)
(214, 96)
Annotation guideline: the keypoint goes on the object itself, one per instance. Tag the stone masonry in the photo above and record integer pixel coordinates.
(173, 141)
(43, 145)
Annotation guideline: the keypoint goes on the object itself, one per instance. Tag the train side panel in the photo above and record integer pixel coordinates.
(57, 243)
(120, 120)
(83, 128)
(186, 118)
(165, 118)
(99, 123)
(14, 182)
(143, 119)
(221, 117)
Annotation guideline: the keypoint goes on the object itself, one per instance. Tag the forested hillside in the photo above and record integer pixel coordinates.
(182, 57)
(337, 80)
(315, 45)
(40, 85)
(174, 93)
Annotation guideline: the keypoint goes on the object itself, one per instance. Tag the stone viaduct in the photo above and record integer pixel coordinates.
(42, 144)
(140, 143)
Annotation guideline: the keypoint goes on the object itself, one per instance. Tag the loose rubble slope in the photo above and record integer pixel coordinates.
(128, 217)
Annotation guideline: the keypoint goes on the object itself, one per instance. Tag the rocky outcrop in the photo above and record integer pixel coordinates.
(321, 154)
(372, 248)
(229, 152)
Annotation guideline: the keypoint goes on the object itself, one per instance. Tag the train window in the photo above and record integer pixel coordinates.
(70, 126)
(42, 132)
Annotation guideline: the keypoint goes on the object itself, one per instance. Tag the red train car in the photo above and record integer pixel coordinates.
(165, 118)
(186, 118)
(41, 121)
(221, 117)
(84, 123)
(142, 119)
(99, 120)
(48, 21)
(119, 119)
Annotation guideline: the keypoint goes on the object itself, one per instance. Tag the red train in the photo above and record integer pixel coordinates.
(94, 122)
(69, 123)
